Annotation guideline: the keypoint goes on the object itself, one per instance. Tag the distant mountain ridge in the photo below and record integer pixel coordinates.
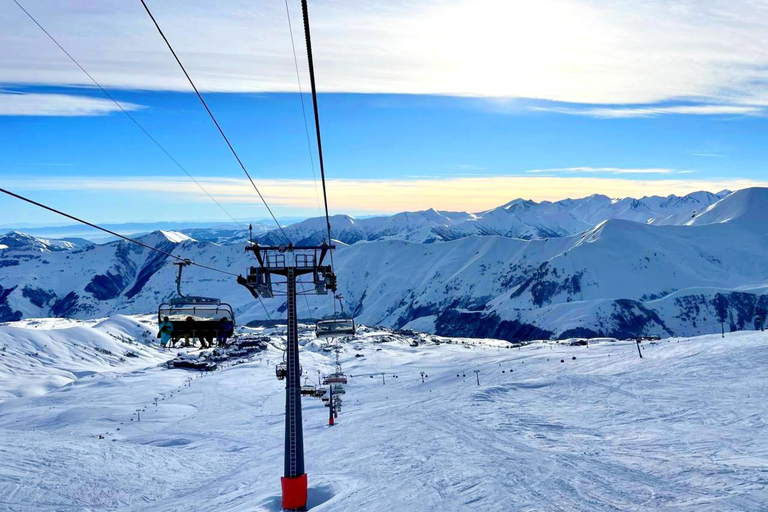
(688, 272)
(520, 218)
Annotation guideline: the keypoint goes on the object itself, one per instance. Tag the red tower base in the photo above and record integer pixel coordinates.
(294, 492)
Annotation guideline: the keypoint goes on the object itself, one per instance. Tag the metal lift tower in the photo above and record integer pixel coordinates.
(291, 262)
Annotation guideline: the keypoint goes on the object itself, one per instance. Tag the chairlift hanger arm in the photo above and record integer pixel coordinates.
(261, 250)
(282, 271)
(181, 265)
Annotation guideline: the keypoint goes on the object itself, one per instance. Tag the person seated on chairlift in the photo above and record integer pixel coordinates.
(189, 331)
(166, 332)
(225, 327)
(205, 338)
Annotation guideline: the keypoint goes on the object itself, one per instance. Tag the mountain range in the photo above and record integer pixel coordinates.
(521, 218)
(586, 267)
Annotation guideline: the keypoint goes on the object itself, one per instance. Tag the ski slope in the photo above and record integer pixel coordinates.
(684, 428)
(40, 355)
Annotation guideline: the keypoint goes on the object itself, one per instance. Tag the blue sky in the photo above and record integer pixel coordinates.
(406, 125)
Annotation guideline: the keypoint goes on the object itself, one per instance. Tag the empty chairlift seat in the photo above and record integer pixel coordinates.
(335, 378)
(335, 326)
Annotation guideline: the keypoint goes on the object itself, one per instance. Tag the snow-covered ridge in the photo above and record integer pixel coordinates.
(519, 218)
(747, 208)
(616, 278)
(17, 240)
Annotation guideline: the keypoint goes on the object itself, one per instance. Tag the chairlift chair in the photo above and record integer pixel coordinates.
(335, 378)
(335, 326)
(195, 316)
(281, 370)
(308, 390)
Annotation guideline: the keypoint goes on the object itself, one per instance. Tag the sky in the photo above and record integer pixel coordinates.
(455, 105)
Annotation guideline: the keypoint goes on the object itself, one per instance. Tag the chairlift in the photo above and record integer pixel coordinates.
(281, 370)
(308, 390)
(338, 389)
(335, 378)
(204, 318)
(320, 392)
(335, 326)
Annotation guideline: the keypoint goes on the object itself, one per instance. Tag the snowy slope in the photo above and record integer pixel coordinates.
(619, 278)
(745, 208)
(39, 355)
(681, 429)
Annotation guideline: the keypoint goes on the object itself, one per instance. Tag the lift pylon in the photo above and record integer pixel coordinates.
(291, 262)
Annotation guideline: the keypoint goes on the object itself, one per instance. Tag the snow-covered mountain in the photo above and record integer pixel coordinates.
(618, 278)
(18, 240)
(210, 231)
(415, 226)
(520, 218)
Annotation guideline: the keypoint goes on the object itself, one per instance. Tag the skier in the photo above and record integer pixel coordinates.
(166, 331)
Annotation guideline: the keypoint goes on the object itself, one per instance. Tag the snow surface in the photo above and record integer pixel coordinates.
(682, 429)
(39, 355)
(175, 236)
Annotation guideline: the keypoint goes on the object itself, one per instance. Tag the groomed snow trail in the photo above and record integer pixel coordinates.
(682, 429)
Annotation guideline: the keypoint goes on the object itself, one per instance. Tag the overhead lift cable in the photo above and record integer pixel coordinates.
(301, 100)
(308, 38)
(108, 95)
(213, 118)
(133, 119)
(105, 230)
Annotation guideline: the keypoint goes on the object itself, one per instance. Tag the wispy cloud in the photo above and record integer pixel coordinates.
(380, 196)
(606, 170)
(66, 105)
(653, 111)
(33, 164)
(711, 52)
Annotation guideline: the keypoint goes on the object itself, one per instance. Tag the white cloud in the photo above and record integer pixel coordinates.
(606, 170)
(379, 196)
(35, 104)
(625, 112)
(574, 51)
